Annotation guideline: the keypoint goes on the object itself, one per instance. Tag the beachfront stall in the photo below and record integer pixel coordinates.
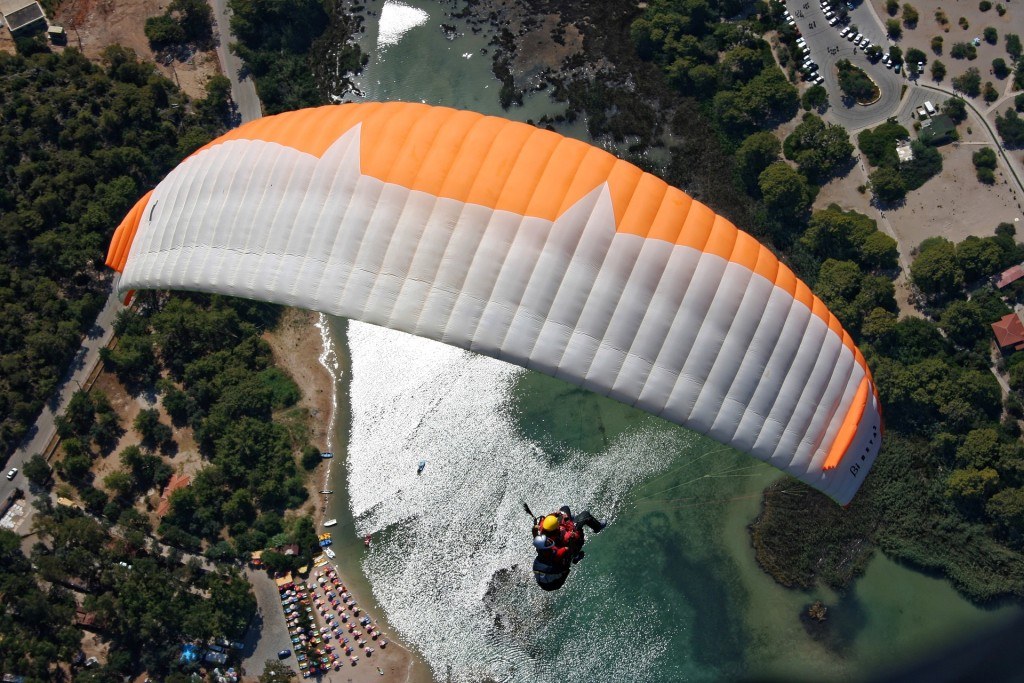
(325, 623)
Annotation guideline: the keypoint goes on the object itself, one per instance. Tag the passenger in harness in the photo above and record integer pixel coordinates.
(559, 540)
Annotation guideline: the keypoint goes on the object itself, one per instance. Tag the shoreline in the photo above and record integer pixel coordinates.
(304, 345)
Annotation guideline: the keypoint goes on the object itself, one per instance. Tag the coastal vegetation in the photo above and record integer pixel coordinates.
(80, 142)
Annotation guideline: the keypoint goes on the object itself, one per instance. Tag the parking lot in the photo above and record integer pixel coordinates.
(826, 47)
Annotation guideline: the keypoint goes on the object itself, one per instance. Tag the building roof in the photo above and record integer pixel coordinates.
(1009, 332)
(22, 14)
(1009, 275)
(177, 482)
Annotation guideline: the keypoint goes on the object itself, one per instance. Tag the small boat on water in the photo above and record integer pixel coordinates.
(367, 539)
(327, 492)
(330, 522)
(421, 466)
(329, 553)
(327, 455)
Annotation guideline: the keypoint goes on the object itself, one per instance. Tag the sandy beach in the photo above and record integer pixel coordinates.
(298, 347)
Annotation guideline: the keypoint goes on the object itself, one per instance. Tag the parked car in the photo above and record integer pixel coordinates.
(833, 21)
(284, 654)
(12, 473)
(844, 31)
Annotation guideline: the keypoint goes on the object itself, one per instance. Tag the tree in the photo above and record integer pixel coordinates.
(910, 16)
(978, 257)
(892, 7)
(969, 82)
(819, 149)
(153, 432)
(785, 191)
(984, 158)
(999, 68)
(1018, 102)
(119, 482)
(989, 93)
(964, 323)
(310, 458)
(163, 31)
(1006, 509)
(937, 45)
(275, 671)
(938, 70)
(893, 29)
(963, 51)
(991, 35)
(956, 109)
(1013, 45)
(1011, 128)
(935, 270)
(855, 83)
(849, 235)
(37, 470)
(887, 184)
(972, 486)
(816, 97)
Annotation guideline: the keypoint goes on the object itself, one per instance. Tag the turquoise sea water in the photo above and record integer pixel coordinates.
(669, 592)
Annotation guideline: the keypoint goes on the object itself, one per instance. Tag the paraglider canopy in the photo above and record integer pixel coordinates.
(521, 244)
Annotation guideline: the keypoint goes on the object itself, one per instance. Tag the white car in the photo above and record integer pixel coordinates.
(819, 80)
(844, 31)
(791, 21)
(833, 21)
(12, 473)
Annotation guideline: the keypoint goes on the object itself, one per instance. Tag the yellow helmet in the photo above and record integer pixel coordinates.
(550, 523)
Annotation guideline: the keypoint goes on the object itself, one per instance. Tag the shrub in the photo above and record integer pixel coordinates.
(964, 23)
(938, 70)
(937, 45)
(1018, 102)
(986, 176)
(892, 7)
(969, 82)
(963, 51)
(999, 68)
(1000, 10)
(984, 158)
(991, 35)
(893, 29)
(989, 93)
(910, 16)
(984, 5)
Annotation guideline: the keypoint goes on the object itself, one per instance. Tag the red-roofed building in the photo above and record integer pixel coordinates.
(177, 482)
(1009, 332)
(1010, 275)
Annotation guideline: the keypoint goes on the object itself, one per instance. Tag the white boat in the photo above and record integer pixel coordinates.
(330, 522)
(327, 492)
(329, 553)
(327, 455)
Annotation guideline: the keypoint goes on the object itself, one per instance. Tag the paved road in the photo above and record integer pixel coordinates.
(268, 632)
(823, 40)
(243, 89)
(44, 429)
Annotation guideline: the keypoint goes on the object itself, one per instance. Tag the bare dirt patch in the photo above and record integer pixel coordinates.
(92, 25)
(928, 27)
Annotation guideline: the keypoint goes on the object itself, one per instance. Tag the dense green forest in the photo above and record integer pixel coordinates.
(79, 144)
